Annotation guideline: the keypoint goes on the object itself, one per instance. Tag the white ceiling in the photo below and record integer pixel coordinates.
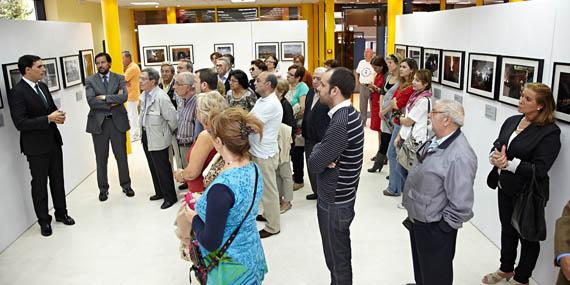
(195, 3)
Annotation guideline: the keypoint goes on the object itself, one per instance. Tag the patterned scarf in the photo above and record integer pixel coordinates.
(416, 96)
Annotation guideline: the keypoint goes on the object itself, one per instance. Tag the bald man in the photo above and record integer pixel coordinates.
(365, 76)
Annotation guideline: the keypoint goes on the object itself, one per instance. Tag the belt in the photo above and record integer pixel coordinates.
(110, 116)
(184, 144)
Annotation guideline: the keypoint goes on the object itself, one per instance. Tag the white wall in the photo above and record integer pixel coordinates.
(243, 35)
(534, 29)
(44, 39)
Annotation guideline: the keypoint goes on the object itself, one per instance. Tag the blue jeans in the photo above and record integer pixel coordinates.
(396, 182)
(334, 225)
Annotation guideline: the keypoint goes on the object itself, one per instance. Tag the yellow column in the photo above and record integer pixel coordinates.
(329, 29)
(171, 15)
(442, 5)
(395, 8)
(322, 43)
(307, 14)
(516, 1)
(480, 2)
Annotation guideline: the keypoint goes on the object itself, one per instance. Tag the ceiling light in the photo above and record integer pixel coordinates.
(144, 3)
(242, 1)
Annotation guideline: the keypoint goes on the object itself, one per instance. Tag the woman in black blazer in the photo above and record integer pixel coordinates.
(527, 140)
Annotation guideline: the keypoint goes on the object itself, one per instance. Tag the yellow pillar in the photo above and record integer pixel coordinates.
(442, 5)
(322, 43)
(171, 15)
(516, 1)
(307, 14)
(395, 8)
(480, 2)
(329, 29)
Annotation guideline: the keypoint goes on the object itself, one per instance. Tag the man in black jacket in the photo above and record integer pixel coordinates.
(35, 115)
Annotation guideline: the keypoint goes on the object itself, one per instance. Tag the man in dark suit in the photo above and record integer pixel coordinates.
(108, 121)
(35, 116)
(223, 68)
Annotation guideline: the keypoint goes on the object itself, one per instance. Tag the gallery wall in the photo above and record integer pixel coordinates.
(540, 32)
(243, 35)
(45, 39)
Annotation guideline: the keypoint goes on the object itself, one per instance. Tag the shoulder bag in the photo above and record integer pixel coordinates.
(528, 213)
(407, 154)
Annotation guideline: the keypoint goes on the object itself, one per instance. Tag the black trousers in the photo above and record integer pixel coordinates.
(42, 167)
(118, 141)
(433, 249)
(384, 142)
(298, 163)
(510, 240)
(161, 171)
(309, 145)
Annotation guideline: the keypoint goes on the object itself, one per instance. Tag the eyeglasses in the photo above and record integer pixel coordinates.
(252, 69)
(316, 79)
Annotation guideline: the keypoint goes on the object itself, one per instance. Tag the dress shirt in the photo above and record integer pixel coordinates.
(345, 103)
(33, 85)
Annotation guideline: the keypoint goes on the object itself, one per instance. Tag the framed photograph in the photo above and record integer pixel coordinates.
(12, 75)
(401, 50)
(155, 55)
(561, 90)
(51, 78)
(87, 63)
(178, 52)
(1, 105)
(482, 78)
(453, 66)
(415, 53)
(70, 70)
(264, 49)
(224, 48)
(291, 49)
(515, 73)
(431, 61)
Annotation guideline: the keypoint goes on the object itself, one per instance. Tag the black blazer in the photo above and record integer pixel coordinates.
(288, 117)
(534, 145)
(315, 121)
(170, 93)
(29, 114)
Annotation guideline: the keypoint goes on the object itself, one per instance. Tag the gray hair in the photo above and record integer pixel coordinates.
(152, 74)
(320, 70)
(186, 77)
(452, 109)
(225, 61)
(169, 66)
(189, 64)
(272, 78)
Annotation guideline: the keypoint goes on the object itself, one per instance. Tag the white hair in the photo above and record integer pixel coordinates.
(186, 77)
(452, 109)
(320, 70)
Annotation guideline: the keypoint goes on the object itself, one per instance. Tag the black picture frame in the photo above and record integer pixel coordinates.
(557, 70)
(221, 48)
(71, 70)
(418, 57)
(161, 57)
(12, 75)
(449, 76)
(262, 54)
(288, 55)
(1, 101)
(431, 63)
(174, 53)
(517, 64)
(400, 49)
(477, 84)
(87, 64)
(51, 78)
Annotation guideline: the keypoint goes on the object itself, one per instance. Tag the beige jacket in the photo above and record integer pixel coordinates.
(284, 141)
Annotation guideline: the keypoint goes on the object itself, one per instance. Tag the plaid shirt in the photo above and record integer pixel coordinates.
(186, 120)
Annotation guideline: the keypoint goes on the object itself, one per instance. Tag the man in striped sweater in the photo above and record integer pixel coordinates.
(337, 161)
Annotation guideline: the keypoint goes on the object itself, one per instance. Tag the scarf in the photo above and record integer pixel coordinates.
(416, 96)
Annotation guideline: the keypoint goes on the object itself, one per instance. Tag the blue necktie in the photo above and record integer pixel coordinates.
(434, 144)
(41, 94)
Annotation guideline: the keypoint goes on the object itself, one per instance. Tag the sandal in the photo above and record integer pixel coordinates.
(514, 282)
(497, 276)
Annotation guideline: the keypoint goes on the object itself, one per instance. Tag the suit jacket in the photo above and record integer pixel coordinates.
(29, 114)
(536, 145)
(315, 121)
(562, 240)
(101, 108)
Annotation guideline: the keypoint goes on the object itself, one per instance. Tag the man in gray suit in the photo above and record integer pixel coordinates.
(108, 121)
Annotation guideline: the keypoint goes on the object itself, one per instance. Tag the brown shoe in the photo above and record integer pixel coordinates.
(297, 186)
(285, 206)
(266, 234)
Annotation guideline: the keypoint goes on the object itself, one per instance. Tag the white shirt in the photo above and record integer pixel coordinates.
(419, 114)
(333, 110)
(365, 71)
(269, 111)
(33, 85)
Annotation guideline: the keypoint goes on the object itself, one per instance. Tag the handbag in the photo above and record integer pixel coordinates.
(215, 258)
(528, 213)
(407, 154)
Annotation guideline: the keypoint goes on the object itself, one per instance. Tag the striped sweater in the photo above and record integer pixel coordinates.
(343, 143)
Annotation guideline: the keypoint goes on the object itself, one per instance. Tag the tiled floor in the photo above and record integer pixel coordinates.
(131, 241)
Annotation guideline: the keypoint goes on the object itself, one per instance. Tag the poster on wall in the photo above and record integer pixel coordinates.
(155, 55)
(177, 53)
(453, 63)
(51, 78)
(265, 49)
(12, 75)
(87, 63)
(415, 53)
(291, 49)
(515, 73)
(401, 50)
(70, 70)
(431, 59)
(224, 48)
(482, 75)
(561, 90)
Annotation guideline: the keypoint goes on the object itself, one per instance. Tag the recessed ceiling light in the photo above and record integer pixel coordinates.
(144, 3)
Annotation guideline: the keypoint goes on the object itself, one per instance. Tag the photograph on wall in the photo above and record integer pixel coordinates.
(401, 50)
(453, 62)
(1, 107)
(515, 73)
(224, 48)
(482, 75)
(70, 70)
(12, 75)
(561, 90)
(291, 49)
(263, 50)
(87, 63)
(415, 53)
(179, 52)
(51, 78)
(431, 58)
(156, 55)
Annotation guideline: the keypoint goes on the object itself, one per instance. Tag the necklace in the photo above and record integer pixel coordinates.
(522, 125)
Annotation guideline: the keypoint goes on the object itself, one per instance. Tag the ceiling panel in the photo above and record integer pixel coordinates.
(194, 3)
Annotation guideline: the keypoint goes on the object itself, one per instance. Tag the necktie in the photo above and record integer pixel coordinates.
(41, 94)
(105, 82)
(434, 144)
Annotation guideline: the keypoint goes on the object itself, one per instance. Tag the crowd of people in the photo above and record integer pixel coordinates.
(239, 147)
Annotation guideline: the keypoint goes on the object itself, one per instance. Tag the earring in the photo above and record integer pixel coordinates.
(538, 109)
